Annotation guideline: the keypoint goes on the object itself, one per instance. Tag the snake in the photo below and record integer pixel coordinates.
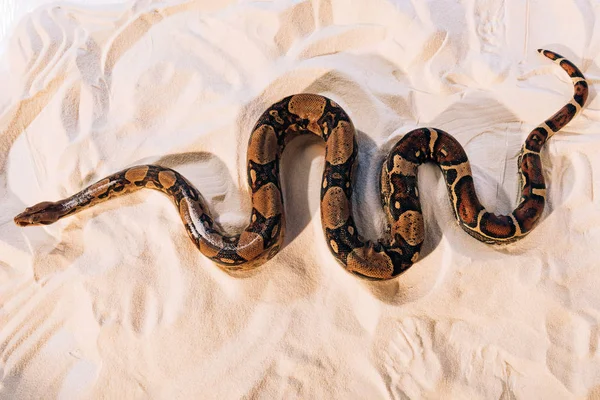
(303, 114)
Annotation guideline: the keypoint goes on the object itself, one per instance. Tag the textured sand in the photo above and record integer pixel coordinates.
(116, 302)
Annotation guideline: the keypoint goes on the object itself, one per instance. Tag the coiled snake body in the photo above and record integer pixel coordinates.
(310, 113)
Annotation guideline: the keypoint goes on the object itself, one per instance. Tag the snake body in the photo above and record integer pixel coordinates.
(314, 114)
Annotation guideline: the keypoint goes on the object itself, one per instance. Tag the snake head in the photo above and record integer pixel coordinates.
(43, 213)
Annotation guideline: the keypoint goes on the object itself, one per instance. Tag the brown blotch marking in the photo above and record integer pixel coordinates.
(267, 200)
(447, 150)
(531, 167)
(250, 245)
(136, 174)
(167, 179)
(410, 226)
(308, 106)
(536, 139)
(340, 143)
(401, 190)
(497, 226)
(335, 208)
(551, 55)
(368, 262)
(562, 117)
(252, 176)
(467, 205)
(581, 92)
(412, 145)
(262, 146)
(570, 68)
(528, 213)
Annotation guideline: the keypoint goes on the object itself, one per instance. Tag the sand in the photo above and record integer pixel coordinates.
(116, 302)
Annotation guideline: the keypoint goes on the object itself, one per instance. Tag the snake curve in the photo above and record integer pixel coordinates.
(310, 113)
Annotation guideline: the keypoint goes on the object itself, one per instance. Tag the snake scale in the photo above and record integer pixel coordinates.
(315, 114)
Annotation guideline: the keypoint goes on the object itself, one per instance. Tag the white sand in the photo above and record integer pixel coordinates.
(116, 302)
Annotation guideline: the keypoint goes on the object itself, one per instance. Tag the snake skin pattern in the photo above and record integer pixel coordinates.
(314, 114)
